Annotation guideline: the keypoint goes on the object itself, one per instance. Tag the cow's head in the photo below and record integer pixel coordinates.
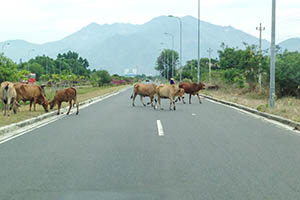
(44, 102)
(201, 86)
(52, 104)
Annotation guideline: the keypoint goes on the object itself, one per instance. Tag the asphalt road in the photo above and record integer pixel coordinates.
(112, 150)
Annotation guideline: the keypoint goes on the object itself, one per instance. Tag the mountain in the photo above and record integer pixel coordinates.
(118, 46)
(292, 44)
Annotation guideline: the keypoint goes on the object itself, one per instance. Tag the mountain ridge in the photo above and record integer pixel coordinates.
(118, 46)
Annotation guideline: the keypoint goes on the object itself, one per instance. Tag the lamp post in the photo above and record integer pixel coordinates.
(198, 76)
(30, 50)
(5, 44)
(180, 24)
(29, 56)
(164, 63)
(172, 64)
(272, 64)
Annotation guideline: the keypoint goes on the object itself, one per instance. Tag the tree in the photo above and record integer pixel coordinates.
(8, 69)
(287, 75)
(102, 77)
(250, 62)
(164, 62)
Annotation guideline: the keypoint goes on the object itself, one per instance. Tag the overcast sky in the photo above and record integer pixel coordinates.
(41, 21)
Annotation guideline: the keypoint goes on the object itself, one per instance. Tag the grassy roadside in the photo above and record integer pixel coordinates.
(84, 93)
(287, 107)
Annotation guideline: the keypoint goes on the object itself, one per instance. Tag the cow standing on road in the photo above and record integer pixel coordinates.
(65, 95)
(192, 89)
(8, 95)
(144, 90)
(167, 91)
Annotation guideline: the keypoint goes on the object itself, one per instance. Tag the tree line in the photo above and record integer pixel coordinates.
(241, 68)
(65, 67)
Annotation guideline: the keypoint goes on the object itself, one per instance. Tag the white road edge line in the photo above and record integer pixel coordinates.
(44, 122)
(278, 124)
(160, 128)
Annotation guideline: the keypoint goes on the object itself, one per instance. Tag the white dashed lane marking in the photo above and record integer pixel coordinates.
(160, 128)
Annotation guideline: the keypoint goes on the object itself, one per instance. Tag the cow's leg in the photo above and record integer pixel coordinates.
(134, 96)
(174, 106)
(59, 105)
(70, 103)
(199, 98)
(34, 103)
(4, 108)
(190, 97)
(30, 105)
(77, 105)
(142, 100)
(158, 99)
(183, 99)
(151, 100)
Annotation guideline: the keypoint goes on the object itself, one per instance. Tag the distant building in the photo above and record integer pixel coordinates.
(130, 72)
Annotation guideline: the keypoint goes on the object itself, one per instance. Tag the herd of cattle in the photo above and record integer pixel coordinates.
(12, 93)
(166, 91)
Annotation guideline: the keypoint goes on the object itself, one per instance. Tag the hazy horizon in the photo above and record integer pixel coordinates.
(45, 21)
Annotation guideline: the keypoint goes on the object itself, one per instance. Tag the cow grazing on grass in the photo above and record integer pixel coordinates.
(167, 91)
(33, 93)
(144, 90)
(192, 89)
(65, 95)
(8, 95)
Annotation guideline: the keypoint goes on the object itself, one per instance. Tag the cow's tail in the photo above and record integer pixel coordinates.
(75, 97)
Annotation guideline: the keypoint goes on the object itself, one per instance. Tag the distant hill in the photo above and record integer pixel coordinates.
(118, 46)
(292, 44)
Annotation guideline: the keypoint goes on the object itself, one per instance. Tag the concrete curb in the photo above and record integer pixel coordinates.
(22, 124)
(251, 110)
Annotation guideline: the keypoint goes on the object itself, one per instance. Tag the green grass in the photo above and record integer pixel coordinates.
(287, 107)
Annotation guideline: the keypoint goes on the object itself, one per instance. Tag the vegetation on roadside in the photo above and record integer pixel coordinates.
(238, 72)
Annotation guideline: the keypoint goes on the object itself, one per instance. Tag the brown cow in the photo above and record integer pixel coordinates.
(8, 95)
(167, 91)
(32, 93)
(144, 90)
(192, 89)
(65, 95)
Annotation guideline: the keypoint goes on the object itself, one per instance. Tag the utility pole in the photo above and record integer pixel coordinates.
(180, 23)
(272, 65)
(198, 76)
(209, 64)
(260, 29)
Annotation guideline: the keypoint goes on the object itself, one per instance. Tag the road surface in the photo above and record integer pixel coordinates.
(112, 150)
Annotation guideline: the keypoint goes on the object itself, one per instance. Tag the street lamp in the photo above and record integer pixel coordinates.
(5, 44)
(164, 62)
(180, 23)
(172, 65)
(198, 77)
(29, 57)
(272, 63)
(30, 50)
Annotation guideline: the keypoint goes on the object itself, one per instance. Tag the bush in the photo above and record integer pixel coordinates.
(234, 76)
(287, 74)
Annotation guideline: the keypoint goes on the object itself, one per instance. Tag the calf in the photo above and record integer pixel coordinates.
(8, 95)
(33, 93)
(192, 89)
(167, 91)
(65, 95)
(144, 90)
